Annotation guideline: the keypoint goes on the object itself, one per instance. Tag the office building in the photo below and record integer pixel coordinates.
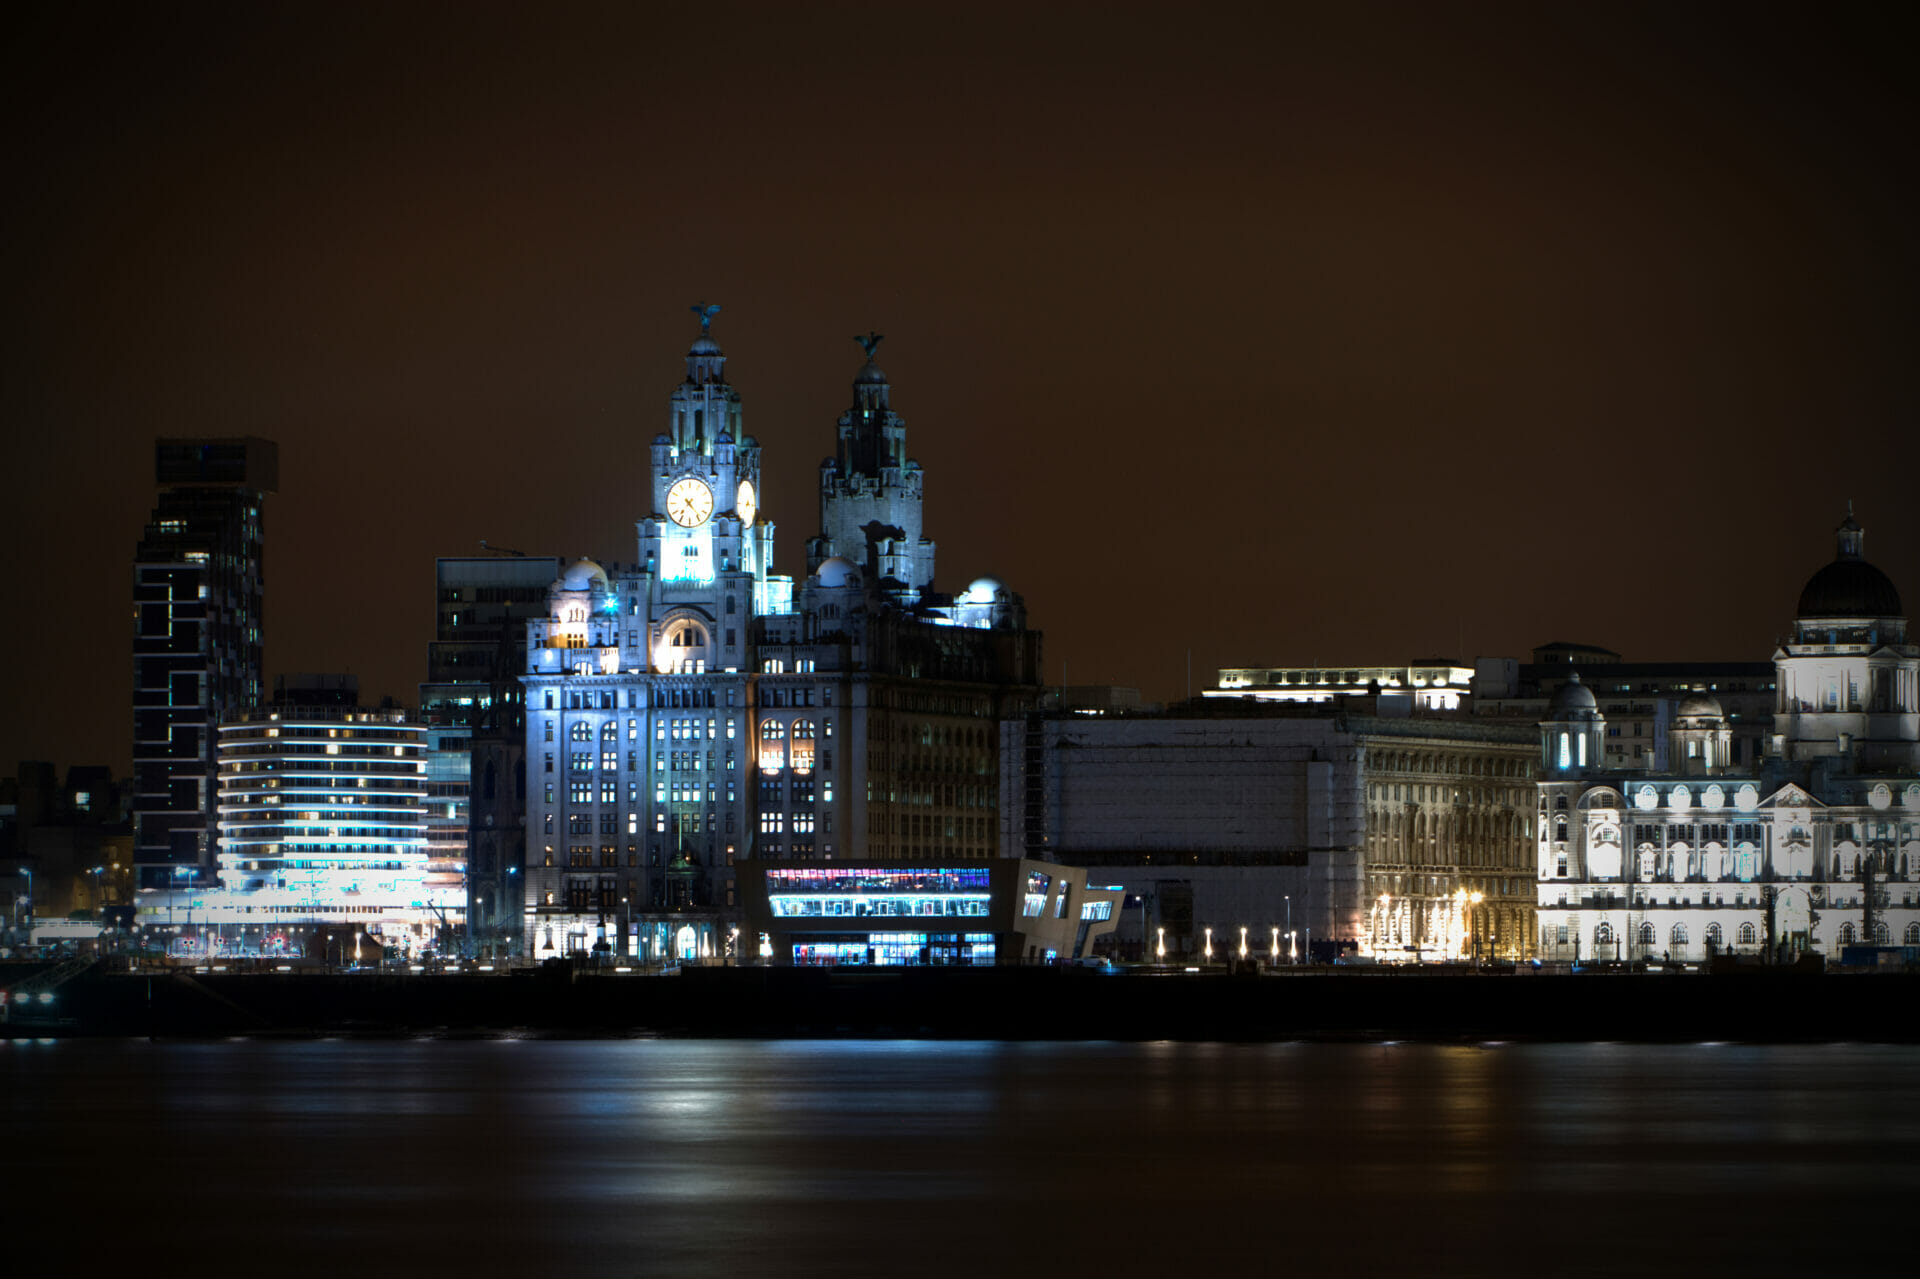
(694, 709)
(197, 641)
(1398, 836)
(473, 705)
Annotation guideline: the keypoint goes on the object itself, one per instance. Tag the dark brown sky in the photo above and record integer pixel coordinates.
(1290, 333)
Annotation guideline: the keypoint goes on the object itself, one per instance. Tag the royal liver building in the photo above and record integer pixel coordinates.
(1815, 849)
(693, 709)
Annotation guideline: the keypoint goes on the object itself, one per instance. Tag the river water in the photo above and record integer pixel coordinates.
(775, 1158)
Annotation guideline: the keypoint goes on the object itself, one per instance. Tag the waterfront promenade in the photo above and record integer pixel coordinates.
(1004, 1003)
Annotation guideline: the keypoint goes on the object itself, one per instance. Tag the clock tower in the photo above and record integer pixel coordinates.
(704, 549)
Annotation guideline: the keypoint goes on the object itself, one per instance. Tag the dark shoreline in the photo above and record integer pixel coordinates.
(1003, 1003)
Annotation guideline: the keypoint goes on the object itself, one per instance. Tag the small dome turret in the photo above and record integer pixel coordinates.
(1572, 698)
(1699, 706)
(583, 575)
(837, 572)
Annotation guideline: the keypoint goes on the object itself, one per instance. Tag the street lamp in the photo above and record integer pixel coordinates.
(1209, 943)
(1293, 954)
(1243, 943)
(1163, 943)
(1275, 952)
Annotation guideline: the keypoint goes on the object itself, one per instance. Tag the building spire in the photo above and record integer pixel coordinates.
(1850, 536)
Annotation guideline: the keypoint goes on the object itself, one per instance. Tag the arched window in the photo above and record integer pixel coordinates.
(1679, 935)
(773, 746)
(1846, 933)
(1747, 935)
(1913, 934)
(802, 736)
(581, 731)
(1603, 935)
(610, 732)
(1646, 934)
(1715, 938)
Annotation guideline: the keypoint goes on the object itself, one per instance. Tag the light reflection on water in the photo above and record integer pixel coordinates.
(835, 1157)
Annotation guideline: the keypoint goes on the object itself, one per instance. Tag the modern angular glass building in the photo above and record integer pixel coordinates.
(923, 911)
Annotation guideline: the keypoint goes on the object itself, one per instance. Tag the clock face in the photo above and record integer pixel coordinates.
(689, 502)
(744, 502)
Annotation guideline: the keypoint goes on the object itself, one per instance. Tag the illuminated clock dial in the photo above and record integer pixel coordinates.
(744, 503)
(689, 502)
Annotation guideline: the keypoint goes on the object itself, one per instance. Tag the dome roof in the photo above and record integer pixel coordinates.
(704, 345)
(837, 572)
(983, 590)
(1700, 706)
(869, 375)
(1572, 696)
(583, 575)
(1850, 588)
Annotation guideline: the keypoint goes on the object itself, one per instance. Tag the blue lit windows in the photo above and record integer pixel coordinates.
(581, 731)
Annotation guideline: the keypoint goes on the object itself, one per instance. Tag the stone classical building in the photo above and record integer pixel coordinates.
(1814, 847)
(694, 709)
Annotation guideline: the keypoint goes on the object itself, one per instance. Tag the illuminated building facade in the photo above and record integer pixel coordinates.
(1432, 684)
(197, 642)
(322, 820)
(1402, 837)
(694, 708)
(924, 912)
(1814, 847)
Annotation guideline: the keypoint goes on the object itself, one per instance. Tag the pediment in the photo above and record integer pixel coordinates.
(1791, 796)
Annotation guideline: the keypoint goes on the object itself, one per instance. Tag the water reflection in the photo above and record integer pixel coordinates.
(831, 1157)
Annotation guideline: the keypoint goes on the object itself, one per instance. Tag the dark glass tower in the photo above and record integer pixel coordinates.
(196, 642)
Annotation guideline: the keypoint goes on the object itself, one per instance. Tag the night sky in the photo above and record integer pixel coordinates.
(1296, 333)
